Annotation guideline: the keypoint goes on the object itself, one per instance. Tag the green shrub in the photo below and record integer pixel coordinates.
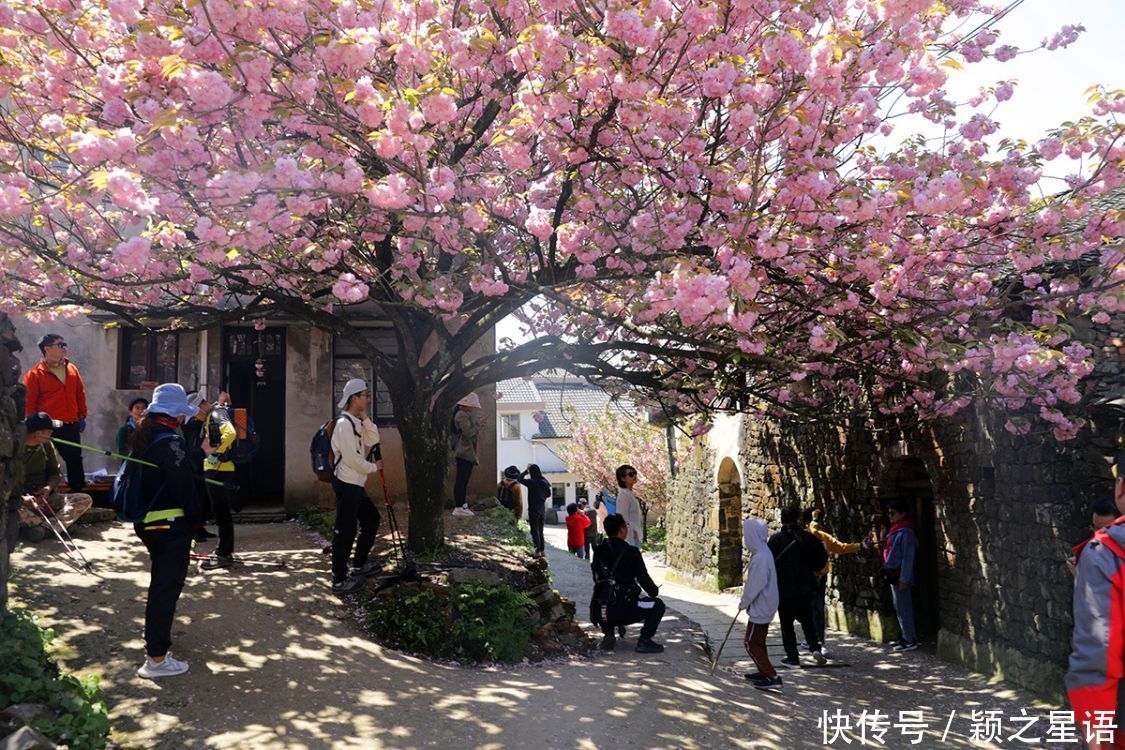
(321, 521)
(490, 623)
(410, 619)
(472, 623)
(30, 675)
(655, 539)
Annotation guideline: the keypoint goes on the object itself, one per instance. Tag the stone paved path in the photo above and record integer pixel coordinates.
(278, 663)
(861, 675)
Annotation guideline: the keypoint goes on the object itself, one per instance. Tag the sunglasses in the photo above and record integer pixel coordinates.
(630, 473)
(60, 344)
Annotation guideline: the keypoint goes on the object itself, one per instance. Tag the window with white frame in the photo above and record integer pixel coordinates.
(509, 426)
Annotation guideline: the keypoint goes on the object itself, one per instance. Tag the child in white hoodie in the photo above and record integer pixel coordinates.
(759, 599)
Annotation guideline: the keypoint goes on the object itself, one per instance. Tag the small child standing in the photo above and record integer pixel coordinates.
(576, 524)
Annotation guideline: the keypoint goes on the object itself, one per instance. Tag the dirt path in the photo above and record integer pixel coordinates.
(276, 662)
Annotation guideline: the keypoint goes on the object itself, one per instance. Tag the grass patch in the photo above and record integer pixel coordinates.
(656, 539)
(321, 521)
(30, 675)
(466, 622)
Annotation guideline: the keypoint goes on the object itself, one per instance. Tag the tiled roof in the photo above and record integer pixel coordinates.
(569, 404)
(516, 391)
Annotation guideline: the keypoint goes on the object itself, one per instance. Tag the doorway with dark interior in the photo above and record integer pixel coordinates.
(912, 483)
(254, 375)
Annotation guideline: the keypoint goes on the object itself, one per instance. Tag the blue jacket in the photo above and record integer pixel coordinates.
(902, 547)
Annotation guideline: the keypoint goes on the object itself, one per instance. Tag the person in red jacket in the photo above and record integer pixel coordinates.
(576, 524)
(55, 386)
(1095, 682)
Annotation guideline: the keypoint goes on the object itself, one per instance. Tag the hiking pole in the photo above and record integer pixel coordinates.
(715, 661)
(719, 653)
(141, 461)
(396, 534)
(67, 541)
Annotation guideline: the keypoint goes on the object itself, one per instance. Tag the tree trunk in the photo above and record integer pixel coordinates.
(425, 450)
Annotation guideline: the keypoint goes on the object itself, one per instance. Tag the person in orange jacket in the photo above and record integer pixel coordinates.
(834, 546)
(54, 386)
(1095, 681)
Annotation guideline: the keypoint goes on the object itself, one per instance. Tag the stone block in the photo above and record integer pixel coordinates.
(26, 738)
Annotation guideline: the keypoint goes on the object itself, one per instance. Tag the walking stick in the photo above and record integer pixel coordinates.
(719, 653)
(63, 535)
(142, 462)
(715, 662)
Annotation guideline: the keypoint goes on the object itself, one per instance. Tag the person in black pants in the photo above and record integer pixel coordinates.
(797, 556)
(166, 530)
(219, 436)
(617, 559)
(355, 449)
(538, 490)
(193, 442)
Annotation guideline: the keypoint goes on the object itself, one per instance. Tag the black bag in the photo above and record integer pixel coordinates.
(323, 459)
(889, 575)
(609, 597)
(505, 496)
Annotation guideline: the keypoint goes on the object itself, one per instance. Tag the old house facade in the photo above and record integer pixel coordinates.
(288, 376)
(536, 417)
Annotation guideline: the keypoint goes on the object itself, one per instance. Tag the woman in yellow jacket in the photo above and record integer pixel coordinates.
(219, 434)
(834, 547)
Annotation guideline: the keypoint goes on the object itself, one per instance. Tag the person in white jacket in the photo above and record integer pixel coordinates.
(760, 600)
(628, 505)
(355, 453)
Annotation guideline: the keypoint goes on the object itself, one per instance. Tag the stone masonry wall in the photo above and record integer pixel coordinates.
(11, 438)
(999, 514)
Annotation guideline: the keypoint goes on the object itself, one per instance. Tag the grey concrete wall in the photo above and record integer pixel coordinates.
(93, 349)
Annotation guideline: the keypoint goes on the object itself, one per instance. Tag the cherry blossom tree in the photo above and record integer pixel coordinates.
(706, 198)
(602, 442)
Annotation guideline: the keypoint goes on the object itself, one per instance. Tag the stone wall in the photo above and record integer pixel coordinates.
(11, 438)
(997, 516)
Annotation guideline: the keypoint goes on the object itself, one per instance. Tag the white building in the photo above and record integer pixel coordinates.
(536, 416)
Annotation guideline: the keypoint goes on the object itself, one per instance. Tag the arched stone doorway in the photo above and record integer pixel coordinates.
(910, 481)
(729, 563)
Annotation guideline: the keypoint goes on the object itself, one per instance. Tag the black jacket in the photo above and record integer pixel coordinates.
(631, 574)
(193, 445)
(173, 471)
(797, 555)
(538, 490)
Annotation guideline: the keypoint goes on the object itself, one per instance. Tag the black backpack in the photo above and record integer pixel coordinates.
(128, 499)
(323, 460)
(609, 597)
(505, 496)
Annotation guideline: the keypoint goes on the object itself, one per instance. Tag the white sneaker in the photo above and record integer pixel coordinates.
(463, 511)
(167, 668)
(819, 657)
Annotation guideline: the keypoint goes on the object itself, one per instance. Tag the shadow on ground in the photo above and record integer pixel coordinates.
(276, 662)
